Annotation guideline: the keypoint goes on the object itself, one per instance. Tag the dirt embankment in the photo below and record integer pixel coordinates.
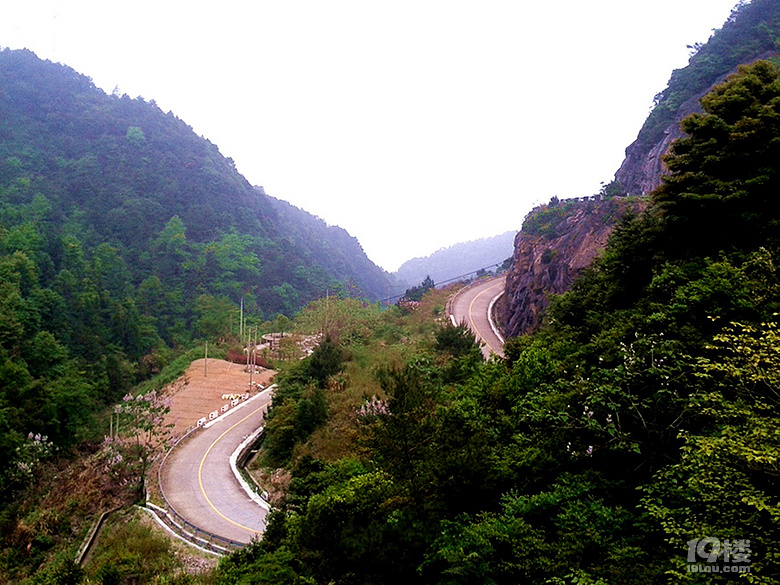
(203, 387)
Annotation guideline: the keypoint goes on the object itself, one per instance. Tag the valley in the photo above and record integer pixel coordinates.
(623, 427)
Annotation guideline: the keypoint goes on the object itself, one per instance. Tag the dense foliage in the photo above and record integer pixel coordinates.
(125, 239)
(415, 293)
(645, 416)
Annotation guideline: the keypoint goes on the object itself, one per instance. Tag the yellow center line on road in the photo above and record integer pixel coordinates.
(471, 318)
(202, 461)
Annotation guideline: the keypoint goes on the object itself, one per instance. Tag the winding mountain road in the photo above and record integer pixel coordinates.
(472, 306)
(198, 479)
(200, 484)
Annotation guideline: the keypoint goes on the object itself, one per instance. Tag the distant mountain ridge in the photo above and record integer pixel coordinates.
(117, 170)
(458, 259)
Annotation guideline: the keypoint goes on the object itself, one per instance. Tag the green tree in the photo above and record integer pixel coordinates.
(135, 136)
(343, 321)
(111, 271)
(345, 532)
(415, 294)
(326, 360)
(142, 433)
(282, 324)
(171, 251)
(722, 484)
(724, 175)
(455, 340)
(281, 433)
(254, 565)
(216, 316)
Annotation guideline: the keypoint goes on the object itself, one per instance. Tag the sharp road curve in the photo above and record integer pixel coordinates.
(199, 482)
(472, 306)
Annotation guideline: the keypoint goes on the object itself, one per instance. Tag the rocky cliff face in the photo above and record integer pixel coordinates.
(557, 241)
(560, 239)
(642, 168)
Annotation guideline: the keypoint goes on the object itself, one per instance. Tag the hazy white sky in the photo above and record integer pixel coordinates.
(413, 124)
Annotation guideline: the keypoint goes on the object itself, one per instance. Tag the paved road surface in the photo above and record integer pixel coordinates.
(199, 483)
(471, 306)
(197, 478)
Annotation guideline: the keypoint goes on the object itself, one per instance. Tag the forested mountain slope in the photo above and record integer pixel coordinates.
(334, 248)
(116, 171)
(751, 33)
(124, 239)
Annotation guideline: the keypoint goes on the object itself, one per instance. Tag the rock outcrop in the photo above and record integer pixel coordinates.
(557, 242)
(560, 239)
(642, 169)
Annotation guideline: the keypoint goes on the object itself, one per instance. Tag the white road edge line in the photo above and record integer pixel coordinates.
(253, 495)
(490, 316)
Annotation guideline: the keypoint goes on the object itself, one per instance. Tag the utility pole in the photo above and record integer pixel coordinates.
(250, 360)
(246, 349)
(206, 362)
(254, 352)
(327, 312)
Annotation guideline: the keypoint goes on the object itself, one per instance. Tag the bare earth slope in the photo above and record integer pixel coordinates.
(201, 390)
(197, 479)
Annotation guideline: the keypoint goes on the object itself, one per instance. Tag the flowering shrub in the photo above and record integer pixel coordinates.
(372, 408)
(29, 455)
(140, 435)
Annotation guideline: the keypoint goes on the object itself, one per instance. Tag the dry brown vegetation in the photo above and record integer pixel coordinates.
(201, 389)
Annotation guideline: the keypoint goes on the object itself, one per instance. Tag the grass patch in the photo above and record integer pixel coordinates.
(172, 371)
(132, 549)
